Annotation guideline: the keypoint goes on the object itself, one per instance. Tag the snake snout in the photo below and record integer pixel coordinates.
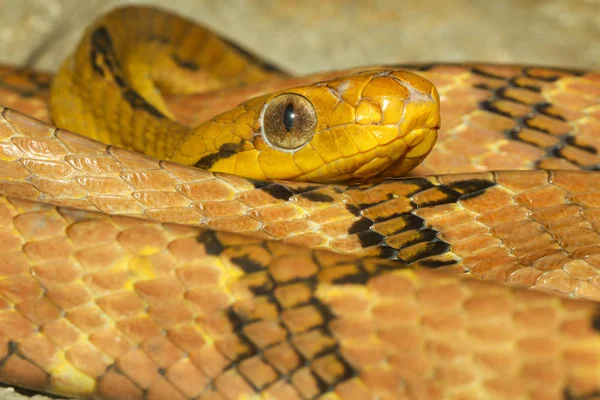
(404, 115)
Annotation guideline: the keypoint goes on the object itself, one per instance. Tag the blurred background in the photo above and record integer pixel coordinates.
(315, 35)
(312, 35)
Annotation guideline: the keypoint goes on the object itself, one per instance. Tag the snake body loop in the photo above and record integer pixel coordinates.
(123, 276)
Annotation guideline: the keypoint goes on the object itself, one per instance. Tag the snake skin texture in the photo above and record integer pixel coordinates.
(127, 277)
(540, 228)
(111, 306)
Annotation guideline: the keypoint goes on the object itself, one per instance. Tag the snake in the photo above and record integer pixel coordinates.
(183, 220)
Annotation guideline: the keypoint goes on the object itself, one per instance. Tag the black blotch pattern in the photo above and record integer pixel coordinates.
(225, 151)
(357, 279)
(450, 196)
(572, 140)
(370, 238)
(353, 210)
(317, 197)
(528, 72)
(360, 225)
(388, 253)
(430, 249)
(366, 231)
(211, 242)
(470, 186)
(433, 263)
(544, 108)
(411, 222)
(102, 48)
(247, 264)
(239, 321)
(277, 191)
(304, 189)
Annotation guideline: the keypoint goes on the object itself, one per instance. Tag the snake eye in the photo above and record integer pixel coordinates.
(289, 121)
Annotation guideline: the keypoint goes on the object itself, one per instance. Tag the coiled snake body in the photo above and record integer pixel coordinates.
(117, 280)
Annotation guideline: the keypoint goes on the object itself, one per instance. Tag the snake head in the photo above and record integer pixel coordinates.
(347, 128)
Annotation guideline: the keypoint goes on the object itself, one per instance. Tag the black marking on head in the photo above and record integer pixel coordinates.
(360, 225)
(277, 191)
(225, 151)
(247, 264)
(254, 59)
(317, 197)
(211, 242)
(102, 48)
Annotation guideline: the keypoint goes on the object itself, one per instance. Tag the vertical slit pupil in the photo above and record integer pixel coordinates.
(289, 117)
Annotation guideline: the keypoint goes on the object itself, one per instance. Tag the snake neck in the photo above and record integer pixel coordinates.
(111, 88)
